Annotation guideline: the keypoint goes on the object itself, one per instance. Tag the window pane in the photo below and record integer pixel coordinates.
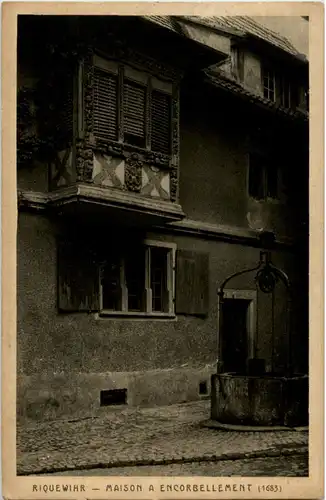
(159, 278)
(285, 94)
(272, 178)
(266, 81)
(105, 97)
(161, 122)
(111, 285)
(135, 280)
(256, 177)
(134, 113)
(269, 84)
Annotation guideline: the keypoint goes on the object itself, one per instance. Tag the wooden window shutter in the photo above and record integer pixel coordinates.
(105, 98)
(241, 65)
(66, 118)
(78, 278)
(237, 63)
(192, 283)
(134, 97)
(161, 122)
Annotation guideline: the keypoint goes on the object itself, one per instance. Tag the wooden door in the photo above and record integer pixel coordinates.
(235, 335)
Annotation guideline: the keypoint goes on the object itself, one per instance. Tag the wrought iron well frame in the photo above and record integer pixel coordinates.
(266, 278)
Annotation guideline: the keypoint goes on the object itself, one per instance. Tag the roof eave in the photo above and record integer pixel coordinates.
(240, 92)
(213, 55)
(230, 32)
(297, 58)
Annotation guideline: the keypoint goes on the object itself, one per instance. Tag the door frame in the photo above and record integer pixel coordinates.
(251, 297)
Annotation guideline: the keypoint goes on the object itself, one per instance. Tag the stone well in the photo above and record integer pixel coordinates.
(265, 400)
(253, 396)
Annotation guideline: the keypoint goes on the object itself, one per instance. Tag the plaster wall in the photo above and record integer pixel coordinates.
(252, 73)
(214, 171)
(159, 361)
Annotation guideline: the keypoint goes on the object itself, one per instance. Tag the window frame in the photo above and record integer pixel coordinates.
(269, 74)
(285, 92)
(251, 297)
(237, 63)
(126, 71)
(280, 85)
(265, 187)
(170, 282)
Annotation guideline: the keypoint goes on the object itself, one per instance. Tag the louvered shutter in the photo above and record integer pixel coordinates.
(65, 118)
(105, 96)
(78, 277)
(161, 122)
(60, 110)
(192, 283)
(134, 113)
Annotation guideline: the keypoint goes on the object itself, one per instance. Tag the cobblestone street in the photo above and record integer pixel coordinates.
(171, 436)
(296, 465)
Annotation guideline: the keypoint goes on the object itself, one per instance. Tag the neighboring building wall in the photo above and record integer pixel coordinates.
(42, 143)
(35, 177)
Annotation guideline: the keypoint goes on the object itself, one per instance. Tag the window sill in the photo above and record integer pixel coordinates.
(268, 200)
(135, 315)
(120, 148)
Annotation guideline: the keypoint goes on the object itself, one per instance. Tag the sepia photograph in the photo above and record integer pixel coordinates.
(162, 246)
(162, 251)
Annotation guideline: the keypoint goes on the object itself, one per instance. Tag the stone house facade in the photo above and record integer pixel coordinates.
(150, 153)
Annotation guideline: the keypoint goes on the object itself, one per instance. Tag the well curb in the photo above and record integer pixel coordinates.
(298, 449)
(215, 424)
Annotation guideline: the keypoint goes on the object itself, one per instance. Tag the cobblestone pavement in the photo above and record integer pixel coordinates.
(116, 437)
(291, 466)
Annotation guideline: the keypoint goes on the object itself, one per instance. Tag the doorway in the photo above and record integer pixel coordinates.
(238, 330)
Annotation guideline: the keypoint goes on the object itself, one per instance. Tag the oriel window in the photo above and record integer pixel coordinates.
(131, 106)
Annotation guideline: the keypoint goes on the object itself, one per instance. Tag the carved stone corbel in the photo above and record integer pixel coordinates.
(133, 171)
(175, 129)
(84, 152)
(174, 183)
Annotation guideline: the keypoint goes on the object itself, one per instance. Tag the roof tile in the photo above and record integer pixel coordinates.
(234, 87)
(237, 25)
